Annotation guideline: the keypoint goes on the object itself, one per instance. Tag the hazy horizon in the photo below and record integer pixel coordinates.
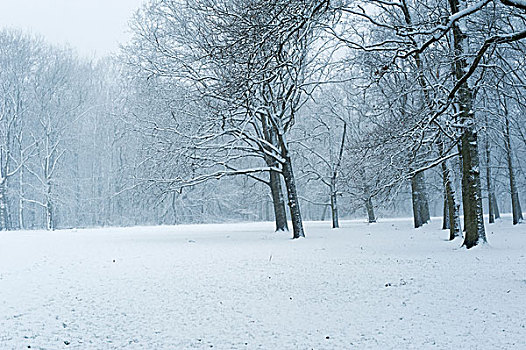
(92, 27)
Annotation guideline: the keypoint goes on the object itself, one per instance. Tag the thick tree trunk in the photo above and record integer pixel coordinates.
(471, 187)
(489, 185)
(515, 202)
(445, 214)
(451, 203)
(280, 214)
(495, 206)
(370, 210)
(451, 208)
(420, 205)
(4, 225)
(50, 219)
(334, 208)
(471, 190)
(454, 218)
(290, 183)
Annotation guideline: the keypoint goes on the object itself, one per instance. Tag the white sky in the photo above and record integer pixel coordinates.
(93, 27)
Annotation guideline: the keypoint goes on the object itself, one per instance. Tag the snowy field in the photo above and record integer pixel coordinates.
(381, 286)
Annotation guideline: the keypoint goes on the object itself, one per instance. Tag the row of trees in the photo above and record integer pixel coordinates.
(78, 147)
(57, 167)
(383, 93)
(217, 108)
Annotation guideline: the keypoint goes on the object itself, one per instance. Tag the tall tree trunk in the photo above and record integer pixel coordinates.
(445, 213)
(370, 210)
(334, 207)
(334, 177)
(4, 225)
(471, 187)
(294, 205)
(471, 191)
(451, 210)
(50, 219)
(280, 214)
(267, 210)
(489, 184)
(371, 218)
(419, 199)
(420, 205)
(454, 218)
(515, 202)
(425, 204)
(290, 182)
(21, 223)
(495, 206)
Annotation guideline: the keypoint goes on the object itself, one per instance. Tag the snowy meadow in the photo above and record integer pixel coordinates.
(243, 286)
(229, 174)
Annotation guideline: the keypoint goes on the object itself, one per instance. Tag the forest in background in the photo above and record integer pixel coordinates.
(234, 110)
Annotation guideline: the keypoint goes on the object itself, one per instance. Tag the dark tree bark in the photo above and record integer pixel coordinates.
(472, 197)
(451, 208)
(445, 214)
(495, 206)
(489, 184)
(334, 178)
(334, 207)
(419, 198)
(50, 210)
(370, 210)
(280, 214)
(290, 183)
(420, 205)
(515, 202)
(471, 187)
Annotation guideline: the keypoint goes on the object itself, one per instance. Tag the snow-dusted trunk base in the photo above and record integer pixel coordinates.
(370, 210)
(278, 202)
(495, 206)
(452, 208)
(21, 224)
(471, 190)
(445, 214)
(489, 182)
(290, 183)
(3, 205)
(50, 218)
(419, 199)
(471, 187)
(515, 202)
(334, 208)
(280, 213)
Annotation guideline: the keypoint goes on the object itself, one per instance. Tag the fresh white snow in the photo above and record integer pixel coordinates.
(242, 286)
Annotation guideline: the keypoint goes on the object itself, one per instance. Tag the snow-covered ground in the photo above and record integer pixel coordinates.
(242, 286)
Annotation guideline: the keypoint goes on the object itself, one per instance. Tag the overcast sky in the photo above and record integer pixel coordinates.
(93, 27)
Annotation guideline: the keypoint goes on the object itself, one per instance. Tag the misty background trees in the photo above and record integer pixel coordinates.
(235, 110)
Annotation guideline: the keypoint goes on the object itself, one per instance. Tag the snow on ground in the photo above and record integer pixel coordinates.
(241, 286)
